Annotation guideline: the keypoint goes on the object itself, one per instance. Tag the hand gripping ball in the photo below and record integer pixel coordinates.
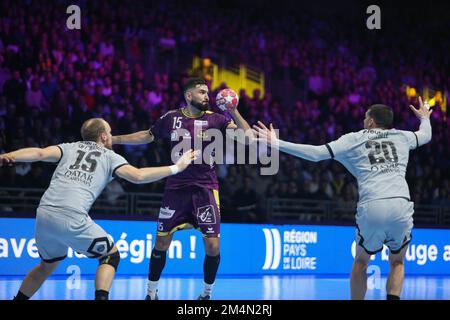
(227, 100)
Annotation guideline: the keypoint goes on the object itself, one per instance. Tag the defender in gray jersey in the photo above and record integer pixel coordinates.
(377, 157)
(62, 221)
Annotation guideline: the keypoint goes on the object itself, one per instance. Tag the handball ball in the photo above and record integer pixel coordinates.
(227, 100)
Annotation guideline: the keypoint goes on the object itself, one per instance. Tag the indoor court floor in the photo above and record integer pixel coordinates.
(294, 287)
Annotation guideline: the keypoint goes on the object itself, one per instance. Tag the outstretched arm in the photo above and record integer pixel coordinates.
(49, 154)
(423, 113)
(147, 175)
(140, 137)
(305, 151)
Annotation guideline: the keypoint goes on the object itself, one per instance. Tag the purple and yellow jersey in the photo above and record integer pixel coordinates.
(167, 127)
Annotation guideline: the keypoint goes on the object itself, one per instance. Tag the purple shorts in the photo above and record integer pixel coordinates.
(190, 207)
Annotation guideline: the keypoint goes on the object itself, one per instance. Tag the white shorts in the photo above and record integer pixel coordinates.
(57, 230)
(384, 221)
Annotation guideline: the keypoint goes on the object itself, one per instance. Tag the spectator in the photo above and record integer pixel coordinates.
(34, 97)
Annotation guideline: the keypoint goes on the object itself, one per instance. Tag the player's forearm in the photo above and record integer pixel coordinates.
(27, 155)
(147, 175)
(239, 120)
(242, 124)
(424, 134)
(304, 151)
(140, 137)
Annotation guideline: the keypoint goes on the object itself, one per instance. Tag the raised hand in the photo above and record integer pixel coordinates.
(264, 134)
(424, 110)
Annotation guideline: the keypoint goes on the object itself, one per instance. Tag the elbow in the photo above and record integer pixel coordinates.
(426, 138)
(139, 179)
(136, 177)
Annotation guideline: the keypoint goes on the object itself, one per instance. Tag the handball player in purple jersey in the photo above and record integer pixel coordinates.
(191, 198)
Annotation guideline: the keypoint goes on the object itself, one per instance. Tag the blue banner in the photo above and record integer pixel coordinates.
(245, 250)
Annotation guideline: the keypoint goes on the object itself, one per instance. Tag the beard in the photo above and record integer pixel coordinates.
(200, 106)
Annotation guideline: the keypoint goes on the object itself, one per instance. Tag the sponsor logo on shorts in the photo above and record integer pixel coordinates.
(206, 215)
(210, 230)
(166, 213)
(99, 246)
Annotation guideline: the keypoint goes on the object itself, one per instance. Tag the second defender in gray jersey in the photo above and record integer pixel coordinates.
(377, 157)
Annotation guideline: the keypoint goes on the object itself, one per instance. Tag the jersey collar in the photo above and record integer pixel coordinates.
(187, 115)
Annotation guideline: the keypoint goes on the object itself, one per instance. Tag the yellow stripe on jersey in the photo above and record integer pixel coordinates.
(216, 197)
(183, 226)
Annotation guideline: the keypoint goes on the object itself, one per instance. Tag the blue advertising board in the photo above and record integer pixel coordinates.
(246, 249)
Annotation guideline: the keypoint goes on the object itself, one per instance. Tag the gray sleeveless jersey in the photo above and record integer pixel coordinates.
(378, 160)
(85, 168)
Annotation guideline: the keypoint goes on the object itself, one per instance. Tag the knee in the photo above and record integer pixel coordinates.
(396, 263)
(113, 259)
(212, 249)
(360, 264)
(46, 272)
(162, 243)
